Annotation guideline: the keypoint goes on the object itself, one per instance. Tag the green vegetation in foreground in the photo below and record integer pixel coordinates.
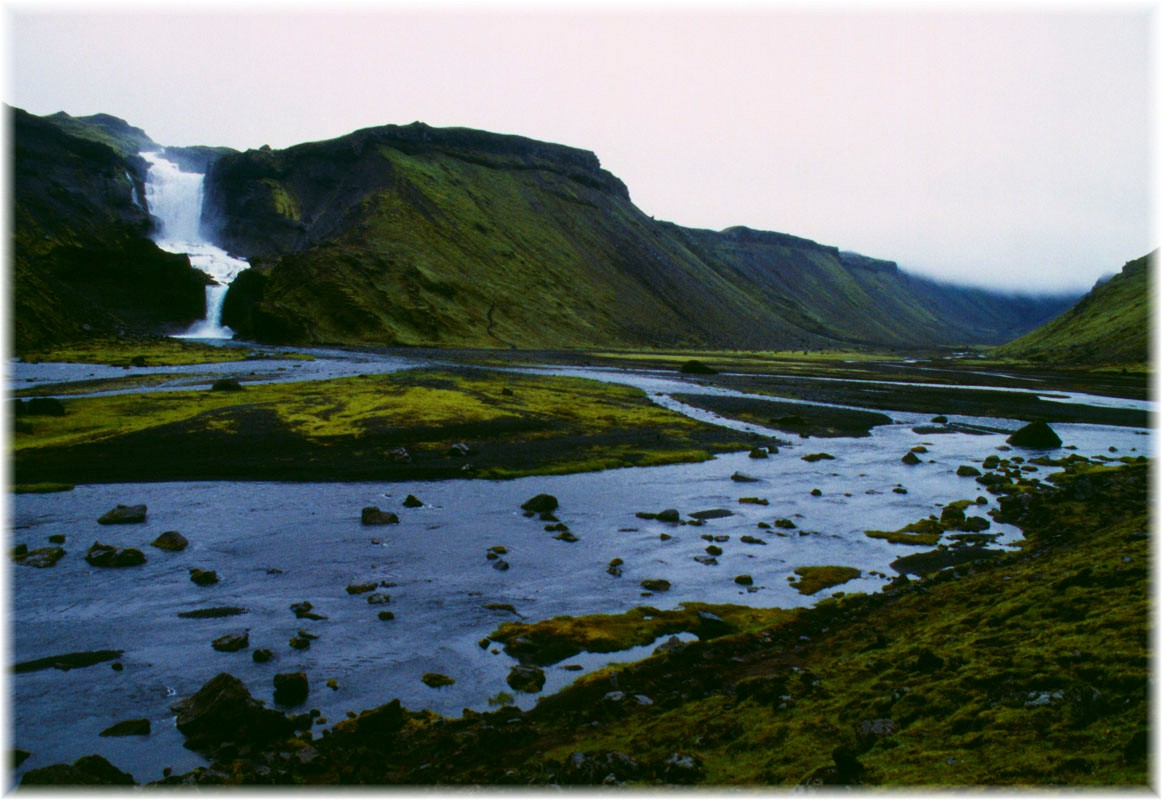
(815, 579)
(553, 640)
(147, 353)
(1030, 670)
(355, 427)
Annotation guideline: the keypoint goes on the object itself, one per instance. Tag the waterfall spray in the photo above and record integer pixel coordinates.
(175, 198)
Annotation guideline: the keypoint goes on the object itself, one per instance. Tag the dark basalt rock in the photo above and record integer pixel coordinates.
(67, 661)
(104, 555)
(437, 680)
(224, 711)
(226, 385)
(123, 515)
(374, 516)
(41, 557)
(129, 727)
(85, 771)
(540, 504)
(43, 406)
(1035, 436)
(217, 612)
(171, 541)
(655, 585)
(411, 501)
(203, 577)
(291, 688)
(910, 458)
(527, 679)
(232, 642)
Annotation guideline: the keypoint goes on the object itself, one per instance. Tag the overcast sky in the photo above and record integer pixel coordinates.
(1008, 149)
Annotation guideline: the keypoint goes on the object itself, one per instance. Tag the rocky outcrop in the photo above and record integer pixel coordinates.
(82, 260)
(224, 711)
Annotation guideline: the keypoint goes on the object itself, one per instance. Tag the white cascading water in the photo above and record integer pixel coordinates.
(175, 198)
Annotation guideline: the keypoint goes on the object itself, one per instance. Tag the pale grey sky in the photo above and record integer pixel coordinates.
(1009, 149)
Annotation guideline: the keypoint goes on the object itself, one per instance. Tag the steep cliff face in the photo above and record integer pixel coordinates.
(82, 261)
(415, 235)
(1109, 326)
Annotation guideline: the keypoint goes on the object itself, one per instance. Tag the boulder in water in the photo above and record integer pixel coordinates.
(172, 541)
(524, 678)
(85, 771)
(540, 504)
(106, 555)
(123, 515)
(291, 688)
(1037, 436)
(374, 516)
(223, 711)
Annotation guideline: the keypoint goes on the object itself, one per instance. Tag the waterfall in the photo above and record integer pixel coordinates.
(175, 198)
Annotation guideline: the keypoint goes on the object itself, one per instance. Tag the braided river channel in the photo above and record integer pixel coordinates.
(277, 544)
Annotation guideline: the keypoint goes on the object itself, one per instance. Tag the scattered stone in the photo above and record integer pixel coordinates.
(742, 477)
(232, 642)
(304, 610)
(85, 771)
(940, 420)
(386, 616)
(130, 727)
(459, 450)
(226, 385)
(540, 504)
(748, 539)
(1035, 435)
(566, 536)
(785, 524)
(755, 501)
(655, 585)
(300, 643)
(811, 458)
(967, 471)
(123, 515)
(40, 558)
(223, 711)
(361, 588)
(759, 452)
(524, 678)
(714, 550)
(709, 561)
(411, 501)
(816, 493)
(713, 513)
(203, 577)
(378, 599)
(106, 555)
(436, 680)
(743, 580)
(291, 688)
(212, 613)
(992, 462)
(371, 515)
(57, 538)
(500, 564)
(669, 515)
(262, 655)
(910, 458)
(171, 541)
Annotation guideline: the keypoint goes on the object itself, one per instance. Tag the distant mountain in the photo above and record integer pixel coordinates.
(82, 261)
(1109, 326)
(411, 235)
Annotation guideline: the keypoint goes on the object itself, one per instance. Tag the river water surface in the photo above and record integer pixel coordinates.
(276, 544)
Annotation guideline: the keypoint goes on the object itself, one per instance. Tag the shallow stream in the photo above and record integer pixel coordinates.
(275, 544)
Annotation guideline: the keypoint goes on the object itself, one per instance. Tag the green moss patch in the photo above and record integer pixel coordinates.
(815, 579)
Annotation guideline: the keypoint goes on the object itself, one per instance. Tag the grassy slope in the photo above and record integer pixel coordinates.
(1109, 326)
(373, 240)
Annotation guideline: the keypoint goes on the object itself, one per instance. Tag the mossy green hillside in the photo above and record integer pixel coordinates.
(394, 426)
(1109, 326)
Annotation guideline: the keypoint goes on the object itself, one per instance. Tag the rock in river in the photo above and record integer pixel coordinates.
(223, 711)
(123, 515)
(540, 504)
(1035, 435)
(232, 642)
(172, 541)
(527, 679)
(130, 727)
(291, 688)
(373, 516)
(105, 555)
